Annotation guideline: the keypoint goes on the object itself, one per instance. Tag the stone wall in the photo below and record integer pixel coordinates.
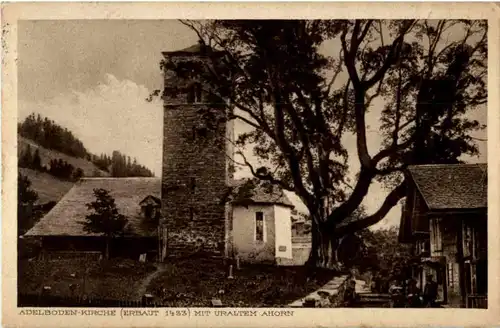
(197, 165)
(193, 181)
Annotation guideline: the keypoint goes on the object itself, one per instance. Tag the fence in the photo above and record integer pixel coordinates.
(64, 255)
(33, 300)
(477, 302)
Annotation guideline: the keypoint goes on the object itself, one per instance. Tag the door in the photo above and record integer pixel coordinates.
(441, 282)
(468, 281)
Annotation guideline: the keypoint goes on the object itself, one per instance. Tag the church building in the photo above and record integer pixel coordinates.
(187, 211)
(197, 160)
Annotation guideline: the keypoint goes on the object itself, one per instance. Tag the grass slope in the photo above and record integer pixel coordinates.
(48, 187)
(194, 282)
(46, 155)
(114, 279)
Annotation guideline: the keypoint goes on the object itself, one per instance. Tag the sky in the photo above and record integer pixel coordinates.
(93, 76)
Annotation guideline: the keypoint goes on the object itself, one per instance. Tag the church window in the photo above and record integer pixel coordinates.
(259, 226)
(192, 184)
(197, 93)
(190, 95)
(194, 93)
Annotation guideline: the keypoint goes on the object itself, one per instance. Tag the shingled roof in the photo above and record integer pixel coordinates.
(64, 218)
(260, 194)
(452, 186)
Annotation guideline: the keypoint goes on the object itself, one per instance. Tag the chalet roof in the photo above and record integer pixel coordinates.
(64, 218)
(261, 195)
(452, 186)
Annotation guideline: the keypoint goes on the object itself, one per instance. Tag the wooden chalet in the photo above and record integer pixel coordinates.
(61, 232)
(445, 218)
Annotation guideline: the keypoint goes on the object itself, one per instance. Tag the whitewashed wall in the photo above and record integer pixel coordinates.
(243, 233)
(283, 223)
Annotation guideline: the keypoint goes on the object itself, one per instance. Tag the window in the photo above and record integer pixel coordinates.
(450, 274)
(148, 211)
(437, 243)
(422, 247)
(259, 226)
(469, 248)
(194, 94)
(190, 95)
(197, 93)
(191, 214)
(192, 184)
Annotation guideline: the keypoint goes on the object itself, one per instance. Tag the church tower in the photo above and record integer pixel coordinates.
(197, 161)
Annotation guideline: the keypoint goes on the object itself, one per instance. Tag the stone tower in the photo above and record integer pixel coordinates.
(197, 165)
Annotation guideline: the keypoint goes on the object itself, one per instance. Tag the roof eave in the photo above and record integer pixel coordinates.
(441, 211)
(248, 203)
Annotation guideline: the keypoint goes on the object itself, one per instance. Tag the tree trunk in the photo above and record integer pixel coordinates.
(321, 245)
(313, 254)
(106, 255)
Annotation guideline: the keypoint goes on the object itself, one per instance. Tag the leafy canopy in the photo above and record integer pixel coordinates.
(104, 217)
(303, 87)
(25, 194)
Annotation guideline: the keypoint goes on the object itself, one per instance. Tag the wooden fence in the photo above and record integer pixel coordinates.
(477, 302)
(34, 300)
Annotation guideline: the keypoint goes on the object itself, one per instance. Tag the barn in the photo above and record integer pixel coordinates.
(61, 233)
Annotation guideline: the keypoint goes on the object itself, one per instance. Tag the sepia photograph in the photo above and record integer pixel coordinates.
(234, 165)
(252, 163)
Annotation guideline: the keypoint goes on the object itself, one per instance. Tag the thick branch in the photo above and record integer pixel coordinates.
(361, 144)
(349, 58)
(279, 131)
(265, 177)
(391, 150)
(352, 203)
(391, 200)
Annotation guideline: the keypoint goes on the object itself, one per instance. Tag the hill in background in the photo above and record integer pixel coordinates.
(46, 155)
(48, 187)
(53, 159)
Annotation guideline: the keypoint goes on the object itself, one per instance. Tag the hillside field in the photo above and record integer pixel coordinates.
(46, 155)
(48, 187)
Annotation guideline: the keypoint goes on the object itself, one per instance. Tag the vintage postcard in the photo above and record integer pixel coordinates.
(250, 164)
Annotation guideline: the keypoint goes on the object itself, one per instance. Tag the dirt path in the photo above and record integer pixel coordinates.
(141, 290)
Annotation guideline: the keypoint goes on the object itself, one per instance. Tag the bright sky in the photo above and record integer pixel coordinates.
(93, 77)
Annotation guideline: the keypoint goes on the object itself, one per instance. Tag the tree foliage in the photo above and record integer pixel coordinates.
(301, 104)
(384, 254)
(50, 135)
(104, 217)
(26, 197)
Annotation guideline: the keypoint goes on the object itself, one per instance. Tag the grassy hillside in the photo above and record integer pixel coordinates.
(46, 155)
(48, 187)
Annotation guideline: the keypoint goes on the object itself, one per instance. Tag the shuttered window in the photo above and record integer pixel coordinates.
(436, 237)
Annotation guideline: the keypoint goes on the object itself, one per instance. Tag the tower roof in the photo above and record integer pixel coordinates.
(195, 50)
(258, 194)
